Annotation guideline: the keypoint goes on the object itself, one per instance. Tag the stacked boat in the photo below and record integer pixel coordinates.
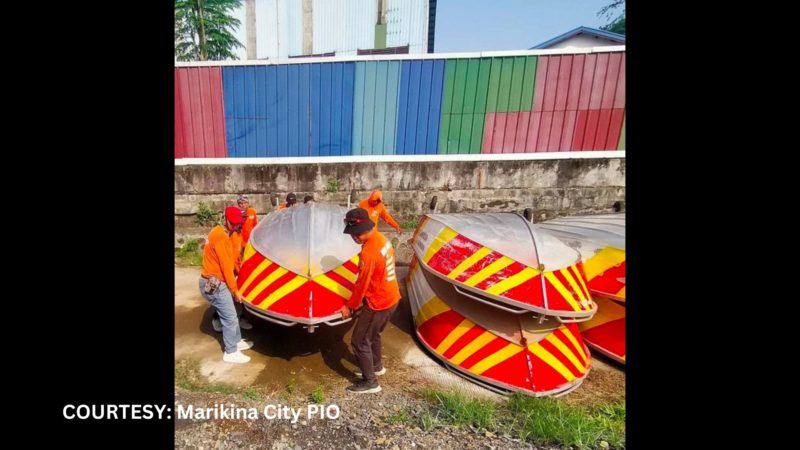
(501, 301)
(299, 268)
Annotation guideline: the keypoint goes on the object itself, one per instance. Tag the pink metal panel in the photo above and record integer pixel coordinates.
(575, 79)
(603, 121)
(551, 84)
(614, 129)
(568, 130)
(612, 77)
(586, 82)
(499, 132)
(541, 78)
(591, 129)
(580, 130)
(544, 131)
(488, 133)
(522, 131)
(564, 74)
(205, 113)
(186, 109)
(600, 74)
(554, 143)
(510, 132)
(619, 95)
(218, 114)
(533, 131)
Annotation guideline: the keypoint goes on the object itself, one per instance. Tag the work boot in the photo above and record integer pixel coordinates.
(364, 387)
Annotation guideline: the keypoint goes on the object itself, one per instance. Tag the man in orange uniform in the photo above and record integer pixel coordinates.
(218, 284)
(377, 290)
(374, 206)
(237, 242)
(250, 221)
(291, 199)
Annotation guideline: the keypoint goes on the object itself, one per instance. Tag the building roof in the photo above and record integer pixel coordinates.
(582, 30)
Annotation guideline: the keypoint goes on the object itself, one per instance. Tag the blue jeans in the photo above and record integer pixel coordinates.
(222, 301)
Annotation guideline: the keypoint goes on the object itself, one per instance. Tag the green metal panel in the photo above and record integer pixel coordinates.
(444, 130)
(504, 91)
(621, 145)
(528, 83)
(380, 35)
(482, 85)
(459, 85)
(454, 134)
(494, 85)
(518, 71)
(471, 85)
(476, 141)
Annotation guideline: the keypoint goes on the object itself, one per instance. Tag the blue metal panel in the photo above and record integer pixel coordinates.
(358, 107)
(260, 94)
(420, 106)
(336, 109)
(368, 145)
(348, 95)
(304, 111)
(273, 118)
(292, 105)
(228, 90)
(390, 122)
(283, 111)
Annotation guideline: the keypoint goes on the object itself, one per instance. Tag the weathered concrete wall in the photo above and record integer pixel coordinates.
(551, 187)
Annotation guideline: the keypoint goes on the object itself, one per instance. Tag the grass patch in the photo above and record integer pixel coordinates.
(207, 216)
(402, 416)
(251, 394)
(318, 396)
(409, 224)
(291, 386)
(541, 421)
(189, 254)
(333, 185)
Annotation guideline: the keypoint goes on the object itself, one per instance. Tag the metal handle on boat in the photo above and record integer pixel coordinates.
(493, 304)
(278, 321)
(578, 319)
(333, 323)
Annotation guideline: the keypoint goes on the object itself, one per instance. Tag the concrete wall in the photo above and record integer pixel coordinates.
(551, 187)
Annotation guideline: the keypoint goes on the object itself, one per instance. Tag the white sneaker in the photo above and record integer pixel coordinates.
(217, 325)
(379, 372)
(236, 357)
(244, 344)
(245, 324)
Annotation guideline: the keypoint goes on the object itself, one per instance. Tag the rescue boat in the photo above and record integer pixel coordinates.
(601, 242)
(500, 260)
(299, 268)
(502, 351)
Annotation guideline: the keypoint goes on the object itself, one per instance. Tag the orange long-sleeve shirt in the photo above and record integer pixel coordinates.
(250, 222)
(378, 211)
(377, 280)
(237, 243)
(219, 259)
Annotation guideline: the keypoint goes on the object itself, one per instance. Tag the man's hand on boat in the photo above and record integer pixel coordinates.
(345, 312)
(238, 298)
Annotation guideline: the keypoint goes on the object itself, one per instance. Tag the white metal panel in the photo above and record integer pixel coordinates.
(344, 26)
(279, 28)
(407, 24)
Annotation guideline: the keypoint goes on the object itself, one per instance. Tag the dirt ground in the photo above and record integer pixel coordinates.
(283, 356)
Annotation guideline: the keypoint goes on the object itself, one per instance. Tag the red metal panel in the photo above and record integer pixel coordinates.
(510, 132)
(541, 79)
(488, 133)
(575, 79)
(612, 77)
(568, 131)
(533, 131)
(586, 82)
(218, 114)
(564, 75)
(619, 96)
(205, 112)
(554, 143)
(600, 74)
(591, 129)
(180, 145)
(552, 83)
(603, 121)
(544, 131)
(499, 132)
(580, 130)
(199, 100)
(614, 129)
(522, 131)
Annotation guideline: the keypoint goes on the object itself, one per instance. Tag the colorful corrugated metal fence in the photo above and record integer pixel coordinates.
(509, 104)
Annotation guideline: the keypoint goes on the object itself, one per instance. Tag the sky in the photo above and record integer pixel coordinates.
(485, 25)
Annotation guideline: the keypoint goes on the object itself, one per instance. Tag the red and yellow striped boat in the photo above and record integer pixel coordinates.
(500, 260)
(601, 242)
(502, 351)
(299, 268)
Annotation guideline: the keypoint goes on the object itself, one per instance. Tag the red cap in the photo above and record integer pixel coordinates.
(234, 215)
